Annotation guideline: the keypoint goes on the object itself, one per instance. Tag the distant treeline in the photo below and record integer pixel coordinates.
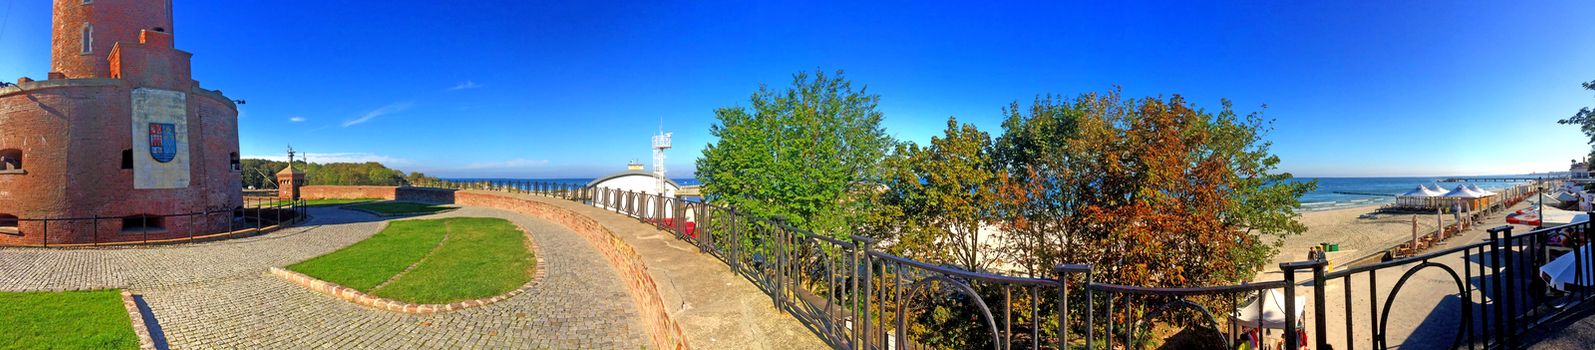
(261, 174)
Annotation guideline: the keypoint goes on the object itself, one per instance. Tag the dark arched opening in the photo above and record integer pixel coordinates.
(11, 160)
(8, 224)
(143, 223)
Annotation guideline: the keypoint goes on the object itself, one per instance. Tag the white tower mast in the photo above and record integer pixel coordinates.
(661, 143)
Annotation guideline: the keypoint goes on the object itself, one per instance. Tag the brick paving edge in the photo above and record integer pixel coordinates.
(145, 342)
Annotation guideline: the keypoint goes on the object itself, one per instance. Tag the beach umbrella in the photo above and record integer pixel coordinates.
(1273, 311)
(1564, 270)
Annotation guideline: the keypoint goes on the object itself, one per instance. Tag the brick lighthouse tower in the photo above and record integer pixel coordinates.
(120, 132)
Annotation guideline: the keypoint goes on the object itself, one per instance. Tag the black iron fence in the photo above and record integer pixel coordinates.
(254, 215)
(1484, 294)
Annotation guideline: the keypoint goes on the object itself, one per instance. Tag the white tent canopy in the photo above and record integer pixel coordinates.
(1273, 311)
(1421, 191)
(1475, 188)
(1564, 271)
(1556, 217)
(1462, 191)
(1435, 191)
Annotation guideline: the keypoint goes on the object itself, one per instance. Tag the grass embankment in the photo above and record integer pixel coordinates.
(65, 320)
(479, 258)
(397, 208)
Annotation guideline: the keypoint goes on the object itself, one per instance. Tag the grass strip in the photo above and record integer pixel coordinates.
(392, 208)
(483, 257)
(368, 263)
(65, 320)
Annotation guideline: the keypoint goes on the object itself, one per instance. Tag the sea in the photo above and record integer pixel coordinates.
(1323, 198)
(1327, 198)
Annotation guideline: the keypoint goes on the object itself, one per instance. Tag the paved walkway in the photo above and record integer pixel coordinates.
(717, 308)
(219, 294)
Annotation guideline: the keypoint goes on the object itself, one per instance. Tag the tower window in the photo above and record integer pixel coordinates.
(88, 38)
(127, 158)
(8, 224)
(10, 160)
(233, 158)
(142, 223)
(160, 30)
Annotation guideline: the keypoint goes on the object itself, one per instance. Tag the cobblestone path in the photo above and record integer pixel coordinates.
(219, 294)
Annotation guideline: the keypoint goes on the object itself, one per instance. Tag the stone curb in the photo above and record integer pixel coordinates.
(145, 342)
(380, 303)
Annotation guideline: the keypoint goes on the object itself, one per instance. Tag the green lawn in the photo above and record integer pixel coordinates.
(482, 257)
(366, 264)
(65, 320)
(393, 208)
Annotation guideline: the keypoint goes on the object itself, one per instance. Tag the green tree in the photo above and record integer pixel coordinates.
(262, 174)
(801, 154)
(946, 190)
(1585, 119)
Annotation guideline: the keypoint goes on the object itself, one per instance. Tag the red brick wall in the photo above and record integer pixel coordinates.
(347, 192)
(72, 134)
(413, 194)
(114, 21)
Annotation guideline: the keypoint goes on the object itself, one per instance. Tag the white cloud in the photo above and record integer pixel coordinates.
(465, 85)
(388, 109)
(336, 157)
(508, 164)
(296, 119)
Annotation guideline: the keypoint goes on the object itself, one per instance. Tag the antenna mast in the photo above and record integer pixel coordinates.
(661, 143)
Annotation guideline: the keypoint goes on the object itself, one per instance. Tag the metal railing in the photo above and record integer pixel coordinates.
(254, 215)
(855, 296)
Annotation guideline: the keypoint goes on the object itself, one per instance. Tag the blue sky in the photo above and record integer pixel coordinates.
(575, 89)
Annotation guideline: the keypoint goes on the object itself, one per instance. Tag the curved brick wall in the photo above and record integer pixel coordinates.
(72, 132)
(663, 331)
(413, 194)
(73, 128)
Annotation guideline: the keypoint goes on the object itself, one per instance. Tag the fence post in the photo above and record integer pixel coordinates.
(861, 249)
(46, 233)
(1291, 340)
(1063, 271)
(1504, 333)
(1320, 325)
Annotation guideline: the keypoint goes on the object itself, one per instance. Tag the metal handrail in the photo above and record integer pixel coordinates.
(848, 306)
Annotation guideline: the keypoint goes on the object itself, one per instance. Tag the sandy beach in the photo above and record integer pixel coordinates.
(1359, 237)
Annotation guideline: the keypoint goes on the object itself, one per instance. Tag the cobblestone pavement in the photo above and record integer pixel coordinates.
(220, 295)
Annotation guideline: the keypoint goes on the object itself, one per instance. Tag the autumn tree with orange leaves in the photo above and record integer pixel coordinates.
(1152, 192)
